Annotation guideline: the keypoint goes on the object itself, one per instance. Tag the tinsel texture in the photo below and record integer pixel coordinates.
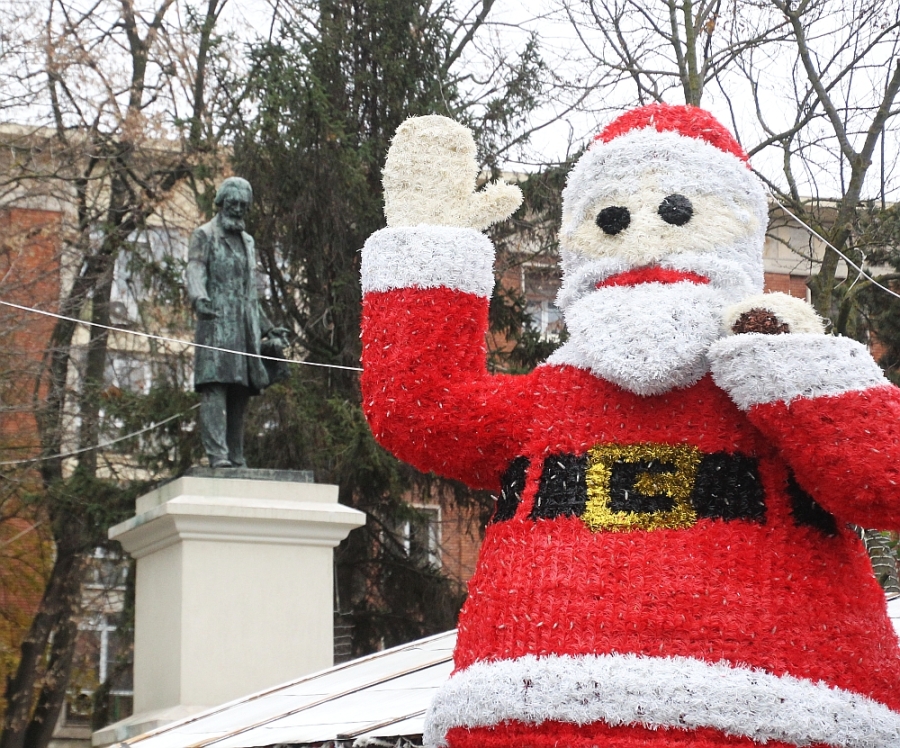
(669, 561)
(689, 121)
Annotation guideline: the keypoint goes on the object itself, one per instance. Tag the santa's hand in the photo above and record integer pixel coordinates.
(776, 351)
(430, 177)
(772, 313)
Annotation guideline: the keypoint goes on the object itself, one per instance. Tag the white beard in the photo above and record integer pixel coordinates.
(649, 338)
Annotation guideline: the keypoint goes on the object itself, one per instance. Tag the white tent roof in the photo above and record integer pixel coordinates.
(894, 613)
(382, 695)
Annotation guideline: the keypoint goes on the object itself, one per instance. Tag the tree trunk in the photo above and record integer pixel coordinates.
(55, 608)
(53, 690)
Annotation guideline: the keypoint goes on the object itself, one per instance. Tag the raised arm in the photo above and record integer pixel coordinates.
(427, 280)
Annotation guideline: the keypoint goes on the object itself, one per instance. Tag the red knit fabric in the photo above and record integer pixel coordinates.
(777, 594)
(780, 596)
(776, 597)
(690, 121)
(597, 735)
(425, 387)
(843, 450)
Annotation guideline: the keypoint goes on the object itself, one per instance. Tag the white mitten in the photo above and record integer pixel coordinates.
(434, 215)
(430, 176)
(776, 351)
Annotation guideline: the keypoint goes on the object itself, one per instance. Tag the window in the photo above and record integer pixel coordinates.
(102, 656)
(420, 535)
(128, 371)
(144, 270)
(540, 284)
(106, 571)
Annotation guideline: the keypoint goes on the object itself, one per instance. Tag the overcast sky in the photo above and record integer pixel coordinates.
(563, 131)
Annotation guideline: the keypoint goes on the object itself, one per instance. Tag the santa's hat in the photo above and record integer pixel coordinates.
(689, 121)
(669, 150)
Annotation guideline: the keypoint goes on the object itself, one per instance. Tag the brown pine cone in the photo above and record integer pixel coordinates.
(759, 320)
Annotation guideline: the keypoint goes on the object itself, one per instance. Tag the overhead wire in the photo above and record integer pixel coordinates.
(102, 445)
(21, 307)
(163, 338)
(24, 532)
(827, 243)
(193, 344)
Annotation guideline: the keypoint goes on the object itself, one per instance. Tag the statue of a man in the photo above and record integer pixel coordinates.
(221, 286)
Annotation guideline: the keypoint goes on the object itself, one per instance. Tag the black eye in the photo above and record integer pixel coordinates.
(676, 209)
(613, 219)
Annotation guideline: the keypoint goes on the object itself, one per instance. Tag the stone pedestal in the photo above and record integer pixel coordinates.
(234, 589)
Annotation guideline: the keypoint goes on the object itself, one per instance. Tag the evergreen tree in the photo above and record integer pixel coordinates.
(877, 239)
(327, 100)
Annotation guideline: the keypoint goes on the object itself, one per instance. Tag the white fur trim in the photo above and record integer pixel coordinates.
(582, 278)
(728, 275)
(688, 166)
(428, 257)
(724, 270)
(754, 368)
(799, 315)
(657, 692)
(568, 354)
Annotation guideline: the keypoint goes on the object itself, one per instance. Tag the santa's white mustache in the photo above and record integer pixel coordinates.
(581, 275)
(647, 332)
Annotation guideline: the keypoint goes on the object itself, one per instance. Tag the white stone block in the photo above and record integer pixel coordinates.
(234, 589)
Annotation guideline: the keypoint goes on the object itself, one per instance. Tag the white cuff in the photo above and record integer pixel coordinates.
(754, 368)
(428, 257)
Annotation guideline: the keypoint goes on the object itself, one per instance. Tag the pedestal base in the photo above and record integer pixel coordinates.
(234, 589)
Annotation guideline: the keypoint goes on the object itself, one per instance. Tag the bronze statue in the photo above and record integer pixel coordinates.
(221, 286)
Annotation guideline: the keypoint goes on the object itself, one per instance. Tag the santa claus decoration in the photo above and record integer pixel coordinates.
(669, 562)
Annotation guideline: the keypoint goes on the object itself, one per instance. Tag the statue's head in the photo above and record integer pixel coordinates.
(233, 200)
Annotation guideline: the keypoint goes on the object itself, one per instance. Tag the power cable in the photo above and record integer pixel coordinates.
(846, 259)
(173, 340)
(104, 445)
(24, 532)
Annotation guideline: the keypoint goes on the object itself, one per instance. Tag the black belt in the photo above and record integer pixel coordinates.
(644, 486)
(651, 486)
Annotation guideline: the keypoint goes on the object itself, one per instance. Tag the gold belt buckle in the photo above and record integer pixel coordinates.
(640, 487)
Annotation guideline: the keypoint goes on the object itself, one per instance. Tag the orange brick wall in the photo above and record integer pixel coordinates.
(794, 285)
(29, 275)
(462, 531)
(25, 560)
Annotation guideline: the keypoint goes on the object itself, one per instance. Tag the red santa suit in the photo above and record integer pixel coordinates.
(666, 569)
